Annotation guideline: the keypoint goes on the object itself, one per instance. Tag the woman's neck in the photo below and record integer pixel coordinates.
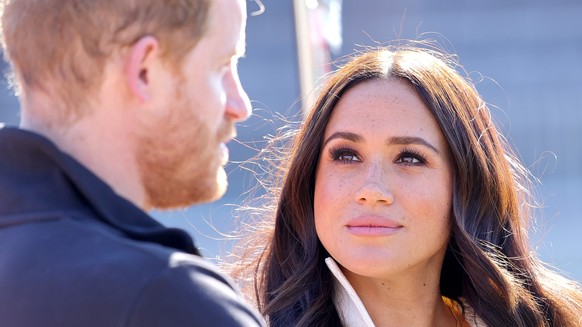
(410, 301)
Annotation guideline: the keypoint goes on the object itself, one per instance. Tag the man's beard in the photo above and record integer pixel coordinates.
(179, 160)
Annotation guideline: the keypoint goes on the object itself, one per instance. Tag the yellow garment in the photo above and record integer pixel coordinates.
(457, 311)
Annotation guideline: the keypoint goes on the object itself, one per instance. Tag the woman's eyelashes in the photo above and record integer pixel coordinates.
(411, 157)
(406, 157)
(343, 155)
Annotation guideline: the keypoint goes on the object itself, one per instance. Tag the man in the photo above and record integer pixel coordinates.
(126, 106)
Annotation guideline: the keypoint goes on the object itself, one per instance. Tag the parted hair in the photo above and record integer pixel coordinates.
(489, 264)
(60, 47)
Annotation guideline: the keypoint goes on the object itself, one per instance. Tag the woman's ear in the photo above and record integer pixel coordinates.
(140, 65)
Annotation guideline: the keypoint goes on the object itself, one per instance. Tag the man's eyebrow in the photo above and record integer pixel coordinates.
(344, 135)
(406, 140)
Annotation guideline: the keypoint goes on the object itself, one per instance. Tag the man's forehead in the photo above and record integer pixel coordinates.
(227, 25)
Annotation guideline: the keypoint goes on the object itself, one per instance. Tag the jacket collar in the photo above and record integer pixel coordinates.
(350, 308)
(37, 178)
(352, 311)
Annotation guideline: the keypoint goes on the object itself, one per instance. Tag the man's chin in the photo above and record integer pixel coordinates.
(200, 191)
(216, 191)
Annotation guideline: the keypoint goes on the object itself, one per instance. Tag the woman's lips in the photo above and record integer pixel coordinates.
(373, 226)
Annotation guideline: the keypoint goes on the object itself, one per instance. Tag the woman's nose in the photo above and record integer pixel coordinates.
(373, 193)
(375, 189)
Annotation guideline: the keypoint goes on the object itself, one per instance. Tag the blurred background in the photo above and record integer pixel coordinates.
(525, 56)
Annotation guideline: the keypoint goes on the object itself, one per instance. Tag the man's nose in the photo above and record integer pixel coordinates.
(238, 104)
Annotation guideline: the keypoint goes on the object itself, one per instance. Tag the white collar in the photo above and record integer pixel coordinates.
(349, 307)
(352, 311)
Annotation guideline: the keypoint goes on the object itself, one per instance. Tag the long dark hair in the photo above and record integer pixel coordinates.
(489, 263)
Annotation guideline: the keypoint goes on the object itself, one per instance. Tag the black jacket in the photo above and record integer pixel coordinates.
(73, 253)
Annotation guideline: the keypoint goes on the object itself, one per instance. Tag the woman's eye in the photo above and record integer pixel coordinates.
(344, 155)
(408, 160)
(411, 159)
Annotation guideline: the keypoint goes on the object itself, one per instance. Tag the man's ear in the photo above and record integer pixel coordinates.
(139, 66)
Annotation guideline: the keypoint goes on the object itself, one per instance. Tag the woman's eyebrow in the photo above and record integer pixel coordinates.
(395, 140)
(407, 140)
(344, 135)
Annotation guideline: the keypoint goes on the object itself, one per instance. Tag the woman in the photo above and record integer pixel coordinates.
(400, 205)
